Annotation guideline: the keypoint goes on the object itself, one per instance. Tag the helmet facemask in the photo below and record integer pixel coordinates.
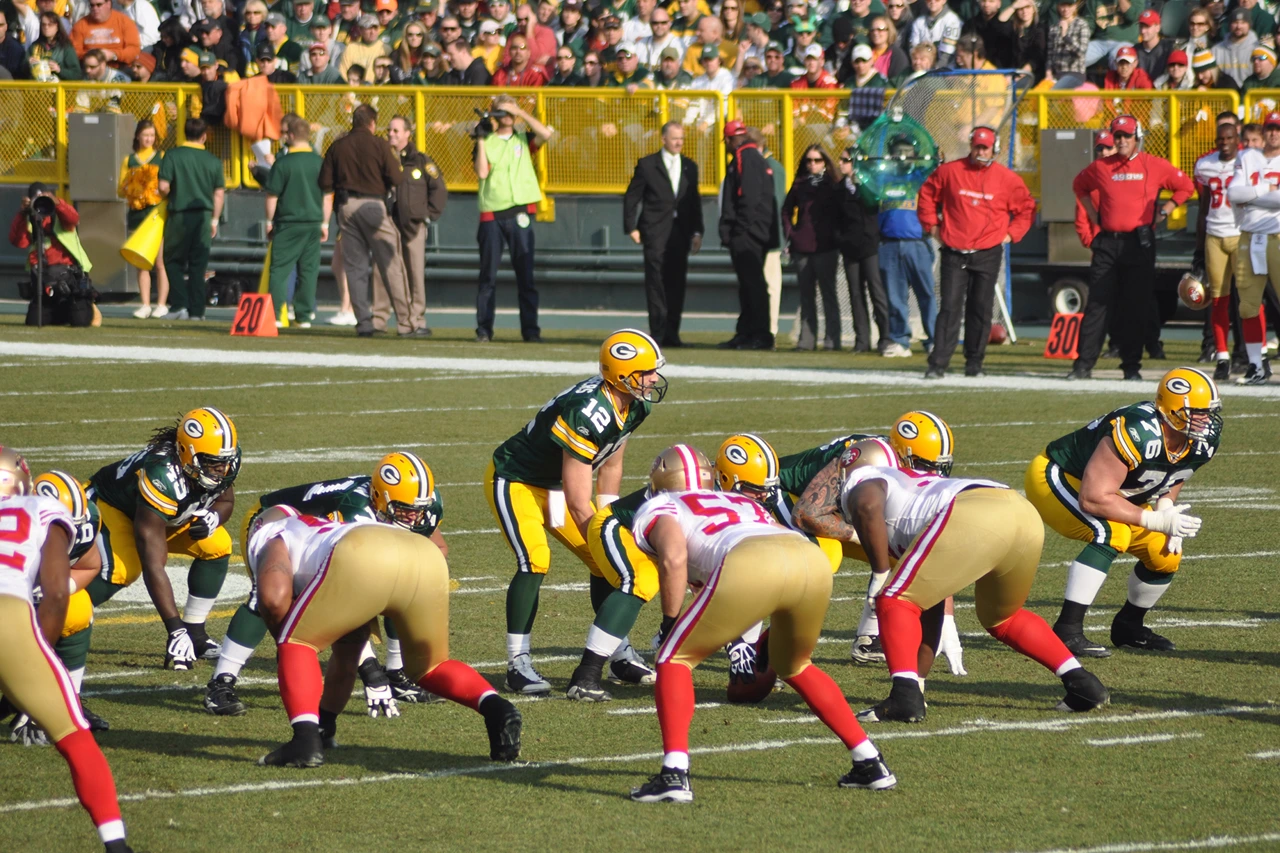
(940, 466)
(1195, 424)
(404, 515)
(634, 385)
(208, 470)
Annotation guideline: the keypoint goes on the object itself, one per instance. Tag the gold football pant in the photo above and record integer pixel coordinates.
(125, 566)
(785, 578)
(989, 536)
(1249, 284)
(1220, 255)
(521, 512)
(621, 562)
(31, 675)
(1056, 496)
(378, 569)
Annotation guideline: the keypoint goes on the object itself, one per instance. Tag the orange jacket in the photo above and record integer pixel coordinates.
(117, 33)
(253, 108)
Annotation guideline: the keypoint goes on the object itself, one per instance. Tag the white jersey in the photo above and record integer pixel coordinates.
(1215, 175)
(942, 32)
(912, 500)
(1256, 205)
(713, 524)
(24, 526)
(309, 540)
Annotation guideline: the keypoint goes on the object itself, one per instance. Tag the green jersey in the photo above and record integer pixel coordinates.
(796, 471)
(155, 477)
(345, 499)
(294, 181)
(626, 507)
(582, 421)
(1139, 439)
(86, 534)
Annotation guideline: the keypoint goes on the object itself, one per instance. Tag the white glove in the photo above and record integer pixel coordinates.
(1172, 521)
(380, 701)
(1174, 546)
(875, 585)
(949, 645)
(203, 524)
(27, 732)
(181, 652)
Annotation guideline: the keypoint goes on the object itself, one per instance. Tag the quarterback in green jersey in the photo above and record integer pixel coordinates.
(539, 482)
(1113, 484)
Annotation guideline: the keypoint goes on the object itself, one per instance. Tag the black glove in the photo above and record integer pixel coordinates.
(668, 622)
(203, 523)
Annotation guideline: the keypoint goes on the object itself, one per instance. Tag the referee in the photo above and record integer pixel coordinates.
(1128, 184)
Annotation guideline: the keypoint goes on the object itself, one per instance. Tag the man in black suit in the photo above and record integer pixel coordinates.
(662, 212)
(749, 227)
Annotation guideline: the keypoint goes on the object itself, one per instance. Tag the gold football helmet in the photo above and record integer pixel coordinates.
(680, 468)
(746, 463)
(15, 476)
(867, 453)
(207, 446)
(625, 357)
(402, 489)
(923, 442)
(1188, 402)
(65, 489)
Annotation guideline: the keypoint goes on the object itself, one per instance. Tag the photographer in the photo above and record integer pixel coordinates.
(67, 298)
(508, 197)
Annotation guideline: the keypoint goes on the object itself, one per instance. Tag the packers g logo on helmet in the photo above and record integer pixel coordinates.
(65, 489)
(923, 442)
(746, 463)
(402, 488)
(1188, 402)
(625, 357)
(680, 468)
(15, 476)
(207, 444)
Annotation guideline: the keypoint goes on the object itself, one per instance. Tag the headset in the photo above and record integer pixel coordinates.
(1139, 134)
(995, 148)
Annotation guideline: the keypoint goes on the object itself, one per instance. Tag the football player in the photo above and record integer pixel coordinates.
(402, 492)
(1113, 484)
(745, 567)
(946, 534)
(539, 482)
(36, 535)
(320, 583)
(171, 497)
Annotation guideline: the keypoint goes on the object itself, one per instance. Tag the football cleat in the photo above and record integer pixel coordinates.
(302, 751)
(402, 488)
(923, 442)
(630, 361)
(870, 774)
(207, 446)
(585, 686)
(627, 667)
(1222, 372)
(96, 723)
(405, 690)
(1135, 635)
(867, 649)
(1255, 375)
(118, 846)
(1187, 400)
(27, 732)
(904, 705)
(1080, 645)
(1084, 692)
(205, 648)
(680, 468)
(668, 785)
(503, 723)
(220, 696)
(523, 678)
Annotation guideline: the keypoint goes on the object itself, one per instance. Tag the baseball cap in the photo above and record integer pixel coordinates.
(1178, 57)
(709, 51)
(805, 25)
(320, 22)
(1263, 52)
(1127, 53)
(348, 2)
(860, 51)
(1151, 17)
(1104, 139)
(275, 19)
(1124, 124)
(425, 6)
(734, 128)
(366, 21)
(761, 20)
(610, 21)
(669, 53)
(752, 60)
(572, 4)
(207, 58)
(264, 51)
(773, 46)
(190, 54)
(1239, 13)
(1204, 59)
(1273, 118)
(489, 26)
(627, 47)
(813, 50)
(432, 49)
(318, 47)
(983, 136)
(385, 6)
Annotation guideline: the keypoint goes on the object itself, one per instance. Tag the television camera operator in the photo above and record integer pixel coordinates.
(59, 288)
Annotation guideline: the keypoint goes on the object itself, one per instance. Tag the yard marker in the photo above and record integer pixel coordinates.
(1129, 740)
(1211, 843)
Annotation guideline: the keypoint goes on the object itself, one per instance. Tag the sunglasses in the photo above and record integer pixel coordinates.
(589, 62)
(814, 160)
(564, 58)
(879, 29)
(1118, 134)
(659, 23)
(846, 159)
(450, 29)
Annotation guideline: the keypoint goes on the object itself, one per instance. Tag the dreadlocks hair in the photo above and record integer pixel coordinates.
(165, 439)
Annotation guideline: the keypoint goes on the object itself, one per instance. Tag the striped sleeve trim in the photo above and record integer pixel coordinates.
(573, 442)
(162, 504)
(1128, 451)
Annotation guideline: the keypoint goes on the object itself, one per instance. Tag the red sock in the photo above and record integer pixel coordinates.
(1254, 329)
(1026, 632)
(1221, 322)
(458, 682)
(300, 681)
(673, 693)
(825, 699)
(91, 776)
(899, 633)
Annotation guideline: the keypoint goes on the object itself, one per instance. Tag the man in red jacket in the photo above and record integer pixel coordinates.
(1103, 146)
(1128, 185)
(984, 205)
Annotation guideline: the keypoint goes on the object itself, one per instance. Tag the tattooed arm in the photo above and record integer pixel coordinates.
(818, 510)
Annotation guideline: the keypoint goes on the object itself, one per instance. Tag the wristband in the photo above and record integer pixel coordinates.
(174, 623)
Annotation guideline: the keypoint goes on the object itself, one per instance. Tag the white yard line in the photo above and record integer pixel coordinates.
(1213, 842)
(1130, 740)
(629, 712)
(1274, 753)
(1059, 723)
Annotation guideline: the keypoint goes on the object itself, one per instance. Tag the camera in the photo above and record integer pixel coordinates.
(484, 127)
(42, 207)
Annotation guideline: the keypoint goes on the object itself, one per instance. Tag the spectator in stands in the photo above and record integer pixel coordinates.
(356, 76)
(889, 60)
(995, 31)
(1175, 75)
(906, 260)
(25, 21)
(98, 70)
(347, 22)
(685, 23)
(191, 179)
(209, 37)
(431, 67)
(288, 53)
(1127, 74)
(733, 27)
(143, 67)
(709, 33)
(213, 89)
(468, 18)
(107, 30)
(1264, 74)
(269, 67)
(215, 14)
(299, 22)
(776, 10)
(428, 14)
(450, 30)
(748, 228)
(837, 52)
(855, 22)
(859, 247)
(144, 18)
(55, 50)
(1202, 31)
(1208, 74)
(1233, 52)
(320, 73)
(804, 34)
(810, 222)
(409, 54)
(637, 27)
(669, 74)
(865, 74)
(541, 39)
(714, 76)
(489, 46)
(1114, 27)
(923, 56)
(254, 14)
(574, 30)
(1153, 49)
(567, 73)
(592, 69)
(940, 27)
(1260, 20)
(390, 25)
(971, 55)
(1029, 38)
(1066, 45)
(751, 68)
(385, 72)
(775, 75)
(899, 11)
(756, 39)
(322, 32)
(519, 71)
(370, 47)
(138, 187)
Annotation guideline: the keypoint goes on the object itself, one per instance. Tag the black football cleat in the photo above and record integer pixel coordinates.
(305, 750)
(867, 649)
(1222, 372)
(1080, 645)
(405, 690)
(630, 668)
(870, 774)
(118, 846)
(96, 723)
(1256, 376)
(1084, 692)
(1135, 635)
(503, 722)
(668, 785)
(585, 686)
(904, 705)
(220, 696)
(206, 649)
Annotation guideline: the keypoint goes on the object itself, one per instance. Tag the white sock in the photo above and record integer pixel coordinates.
(869, 623)
(602, 642)
(394, 659)
(232, 657)
(920, 678)
(366, 653)
(676, 760)
(624, 646)
(912, 674)
(864, 750)
(752, 634)
(518, 644)
(197, 609)
(1143, 594)
(112, 830)
(1083, 583)
(1255, 353)
(1071, 664)
(77, 678)
(304, 718)
(1223, 356)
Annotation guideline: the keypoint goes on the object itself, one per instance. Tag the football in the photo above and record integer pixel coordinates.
(1192, 293)
(744, 693)
(999, 334)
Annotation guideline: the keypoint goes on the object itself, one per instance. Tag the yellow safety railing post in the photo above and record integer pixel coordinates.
(1175, 123)
(60, 138)
(788, 132)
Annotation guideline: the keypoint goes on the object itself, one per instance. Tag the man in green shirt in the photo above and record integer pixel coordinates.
(191, 179)
(297, 226)
(775, 75)
(1265, 75)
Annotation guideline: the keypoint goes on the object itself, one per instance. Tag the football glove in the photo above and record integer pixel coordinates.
(668, 622)
(1174, 545)
(949, 645)
(742, 662)
(377, 690)
(203, 523)
(27, 732)
(180, 652)
(1172, 521)
(877, 582)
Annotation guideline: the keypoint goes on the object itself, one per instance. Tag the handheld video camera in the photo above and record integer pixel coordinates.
(485, 126)
(42, 207)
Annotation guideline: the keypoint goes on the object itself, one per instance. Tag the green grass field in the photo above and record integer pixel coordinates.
(1189, 749)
